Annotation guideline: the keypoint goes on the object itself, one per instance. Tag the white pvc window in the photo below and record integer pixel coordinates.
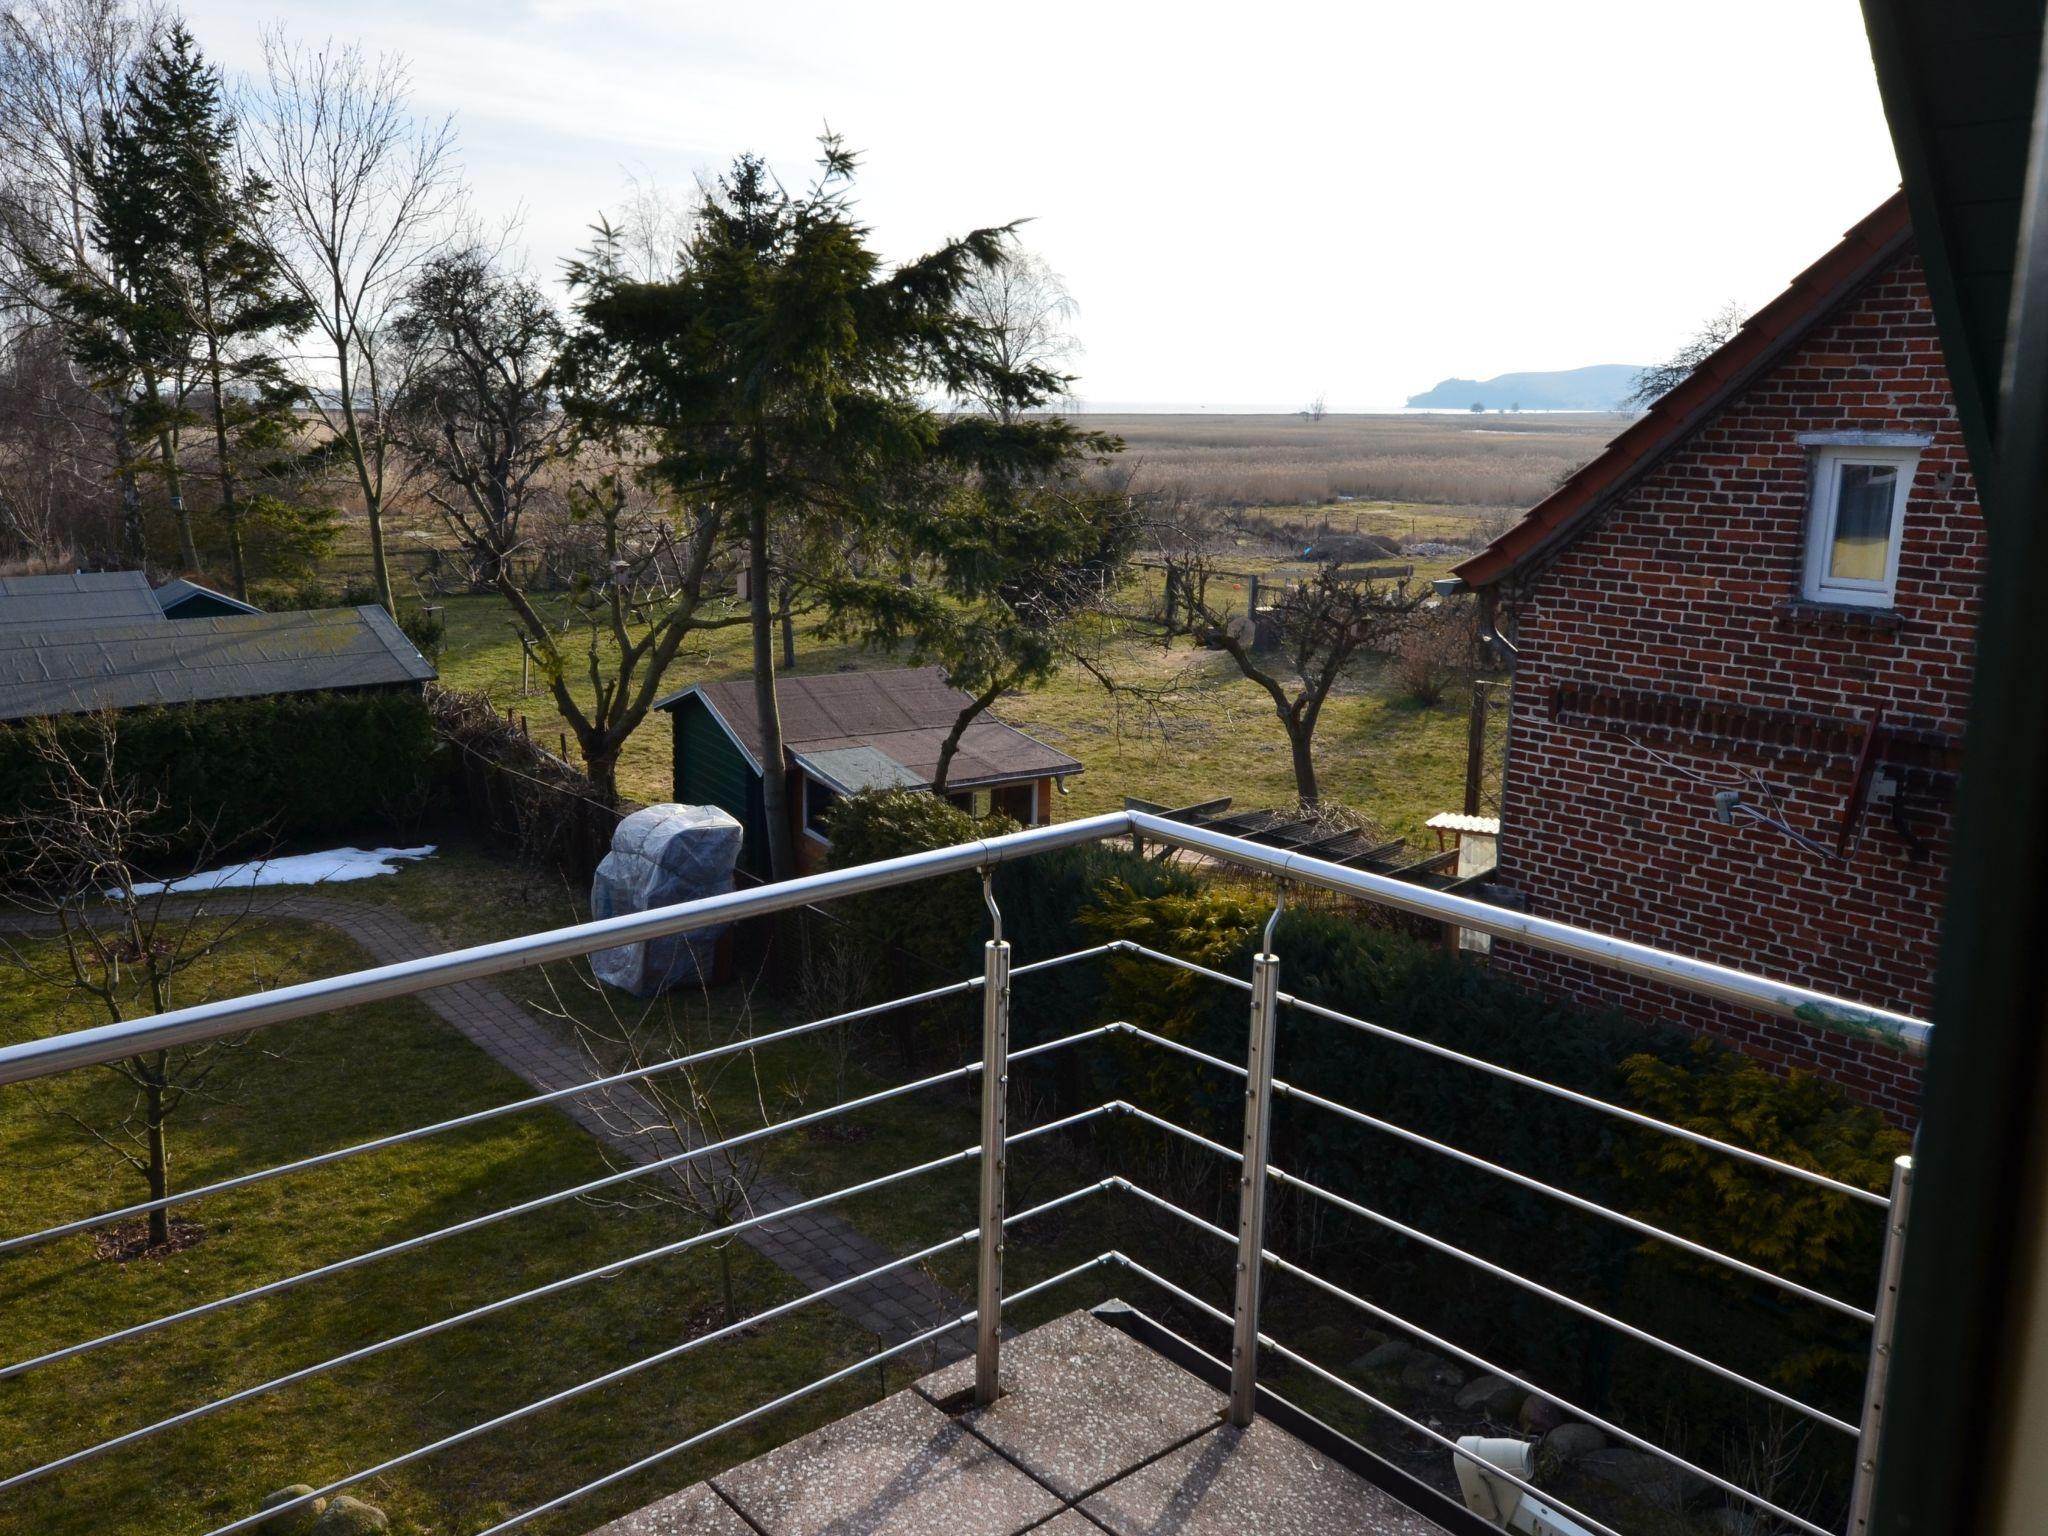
(1858, 514)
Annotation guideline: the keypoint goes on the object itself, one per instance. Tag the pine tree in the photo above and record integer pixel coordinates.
(785, 372)
(123, 324)
(218, 276)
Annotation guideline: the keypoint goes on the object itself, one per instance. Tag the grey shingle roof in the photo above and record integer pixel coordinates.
(130, 666)
(37, 604)
(905, 714)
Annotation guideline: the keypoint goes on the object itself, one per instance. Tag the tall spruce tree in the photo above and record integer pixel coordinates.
(784, 372)
(217, 275)
(191, 302)
(122, 321)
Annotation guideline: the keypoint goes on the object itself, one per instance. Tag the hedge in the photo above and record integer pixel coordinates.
(255, 771)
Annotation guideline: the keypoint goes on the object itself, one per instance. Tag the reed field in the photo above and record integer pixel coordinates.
(1491, 460)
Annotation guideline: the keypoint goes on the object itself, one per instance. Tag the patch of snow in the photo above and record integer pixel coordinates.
(328, 868)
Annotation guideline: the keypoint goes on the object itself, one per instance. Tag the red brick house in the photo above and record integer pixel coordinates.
(1742, 645)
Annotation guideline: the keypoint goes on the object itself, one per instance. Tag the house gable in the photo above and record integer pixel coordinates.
(1665, 652)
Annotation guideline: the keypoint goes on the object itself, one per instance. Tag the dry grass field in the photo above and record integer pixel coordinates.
(1449, 460)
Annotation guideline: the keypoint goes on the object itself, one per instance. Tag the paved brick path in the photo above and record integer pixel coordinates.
(817, 1248)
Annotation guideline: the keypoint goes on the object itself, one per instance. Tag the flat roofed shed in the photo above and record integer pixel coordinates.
(133, 666)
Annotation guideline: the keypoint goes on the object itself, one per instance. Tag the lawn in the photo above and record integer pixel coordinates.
(1213, 734)
(320, 1084)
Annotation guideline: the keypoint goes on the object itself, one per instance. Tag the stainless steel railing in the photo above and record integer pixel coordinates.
(1256, 1174)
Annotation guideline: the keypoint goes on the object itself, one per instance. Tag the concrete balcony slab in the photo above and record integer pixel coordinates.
(1095, 1433)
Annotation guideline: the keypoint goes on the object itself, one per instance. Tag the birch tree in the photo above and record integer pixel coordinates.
(366, 194)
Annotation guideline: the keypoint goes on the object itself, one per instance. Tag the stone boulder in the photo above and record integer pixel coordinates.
(351, 1517)
(298, 1521)
(1494, 1396)
(1382, 1359)
(660, 856)
(1431, 1374)
(1569, 1442)
(1538, 1416)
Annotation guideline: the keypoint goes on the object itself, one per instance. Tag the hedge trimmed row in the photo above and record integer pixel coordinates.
(253, 771)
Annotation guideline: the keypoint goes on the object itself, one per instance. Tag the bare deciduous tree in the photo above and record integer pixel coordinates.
(1659, 379)
(1025, 311)
(667, 1111)
(77, 866)
(64, 67)
(1323, 623)
(628, 619)
(474, 413)
(53, 501)
(366, 195)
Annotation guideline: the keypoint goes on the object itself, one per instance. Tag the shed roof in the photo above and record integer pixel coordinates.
(853, 769)
(904, 714)
(1874, 243)
(130, 666)
(38, 604)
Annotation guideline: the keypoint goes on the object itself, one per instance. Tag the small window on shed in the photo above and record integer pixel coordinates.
(818, 800)
(1858, 514)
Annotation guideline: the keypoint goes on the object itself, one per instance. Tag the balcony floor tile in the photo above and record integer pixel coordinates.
(696, 1511)
(900, 1468)
(1082, 1403)
(1259, 1481)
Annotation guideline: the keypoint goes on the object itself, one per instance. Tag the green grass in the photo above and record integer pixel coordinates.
(1216, 734)
(322, 1084)
(470, 894)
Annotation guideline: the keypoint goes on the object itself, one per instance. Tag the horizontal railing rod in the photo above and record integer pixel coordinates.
(1522, 1079)
(1815, 1010)
(1563, 1404)
(478, 1117)
(525, 1207)
(1572, 1304)
(1727, 1261)
(1485, 1266)
(784, 1401)
(1188, 1298)
(1521, 1180)
(208, 1021)
(552, 1288)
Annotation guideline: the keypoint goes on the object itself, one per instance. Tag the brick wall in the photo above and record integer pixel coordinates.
(1685, 592)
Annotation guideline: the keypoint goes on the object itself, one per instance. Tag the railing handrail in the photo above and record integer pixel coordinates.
(206, 1021)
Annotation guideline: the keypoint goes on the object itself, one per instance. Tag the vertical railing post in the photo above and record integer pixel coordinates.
(1863, 1485)
(995, 1116)
(1251, 1188)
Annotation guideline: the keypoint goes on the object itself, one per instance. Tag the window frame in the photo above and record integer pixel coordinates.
(1828, 455)
(809, 814)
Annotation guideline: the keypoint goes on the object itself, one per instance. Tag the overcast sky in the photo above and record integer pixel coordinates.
(1250, 203)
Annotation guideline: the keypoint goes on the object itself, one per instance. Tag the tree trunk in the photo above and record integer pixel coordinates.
(1300, 738)
(371, 485)
(174, 488)
(774, 776)
(159, 1159)
(230, 512)
(725, 1286)
(601, 767)
(787, 618)
(134, 542)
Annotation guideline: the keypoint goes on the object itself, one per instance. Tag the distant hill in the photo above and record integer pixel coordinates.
(1598, 388)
